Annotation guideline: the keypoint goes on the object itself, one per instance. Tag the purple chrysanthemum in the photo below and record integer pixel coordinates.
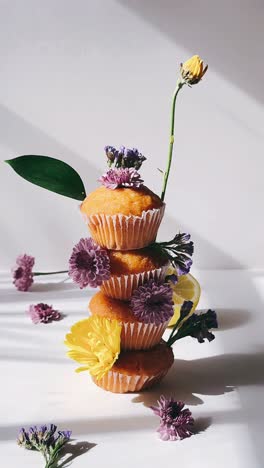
(22, 272)
(152, 302)
(89, 264)
(115, 178)
(43, 313)
(175, 422)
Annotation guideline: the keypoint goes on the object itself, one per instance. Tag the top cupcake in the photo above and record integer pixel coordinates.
(123, 214)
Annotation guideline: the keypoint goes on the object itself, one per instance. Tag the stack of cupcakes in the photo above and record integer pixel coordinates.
(123, 217)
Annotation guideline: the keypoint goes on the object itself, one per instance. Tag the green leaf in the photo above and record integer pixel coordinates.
(51, 174)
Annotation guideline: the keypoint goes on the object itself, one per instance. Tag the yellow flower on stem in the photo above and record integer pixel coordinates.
(193, 70)
(95, 343)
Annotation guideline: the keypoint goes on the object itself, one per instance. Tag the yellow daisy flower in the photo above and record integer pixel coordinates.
(95, 343)
(193, 70)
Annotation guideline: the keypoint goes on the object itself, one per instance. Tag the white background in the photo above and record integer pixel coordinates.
(77, 75)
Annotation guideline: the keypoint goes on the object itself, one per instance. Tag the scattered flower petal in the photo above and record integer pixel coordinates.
(89, 264)
(152, 302)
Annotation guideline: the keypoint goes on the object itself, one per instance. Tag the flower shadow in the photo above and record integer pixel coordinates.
(72, 450)
(207, 376)
(201, 424)
(233, 318)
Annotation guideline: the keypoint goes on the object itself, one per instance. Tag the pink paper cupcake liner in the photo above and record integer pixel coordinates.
(122, 287)
(121, 232)
(121, 383)
(139, 335)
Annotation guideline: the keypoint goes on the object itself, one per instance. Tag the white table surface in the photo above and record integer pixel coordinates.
(221, 382)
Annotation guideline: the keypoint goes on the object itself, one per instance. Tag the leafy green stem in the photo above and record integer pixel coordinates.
(179, 85)
(50, 273)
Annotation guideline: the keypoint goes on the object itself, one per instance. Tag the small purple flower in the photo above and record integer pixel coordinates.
(173, 278)
(124, 157)
(200, 324)
(89, 264)
(152, 303)
(23, 439)
(115, 178)
(179, 250)
(175, 422)
(22, 272)
(111, 153)
(65, 434)
(45, 440)
(43, 313)
(132, 158)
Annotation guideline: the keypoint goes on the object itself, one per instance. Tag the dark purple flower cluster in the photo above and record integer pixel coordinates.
(115, 178)
(198, 325)
(43, 313)
(175, 422)
(89, 264)
(152, 302)
(124, 157)
(179, 251)
(45, 439)
(22, 272)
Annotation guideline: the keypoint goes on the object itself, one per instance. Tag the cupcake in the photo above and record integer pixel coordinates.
(134, 371)
(123, 218)
(135, 334)
(131, 269)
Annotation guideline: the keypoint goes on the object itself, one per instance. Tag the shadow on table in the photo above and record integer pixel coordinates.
(73, 450)
(207, 376)
(57, 290)
(233, 318)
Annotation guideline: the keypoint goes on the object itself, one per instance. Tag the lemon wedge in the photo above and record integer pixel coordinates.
(187, 289)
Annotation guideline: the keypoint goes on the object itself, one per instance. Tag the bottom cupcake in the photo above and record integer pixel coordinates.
(135, 371)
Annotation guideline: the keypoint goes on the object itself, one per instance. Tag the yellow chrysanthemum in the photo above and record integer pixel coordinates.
(95, 343)
(193, 70)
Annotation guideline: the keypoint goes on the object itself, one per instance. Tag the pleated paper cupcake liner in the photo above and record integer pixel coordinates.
(117, 382)
(121, 232)
(138, 335)
(122, 287)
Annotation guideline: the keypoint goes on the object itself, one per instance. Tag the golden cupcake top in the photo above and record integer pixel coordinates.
(105, 306)
(136, 261)
(126, 201)
(149, 362)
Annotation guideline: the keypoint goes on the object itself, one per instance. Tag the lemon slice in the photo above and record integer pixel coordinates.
(187, 289)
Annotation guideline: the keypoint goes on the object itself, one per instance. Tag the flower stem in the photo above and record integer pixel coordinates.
(50, 273)
(167, 172)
